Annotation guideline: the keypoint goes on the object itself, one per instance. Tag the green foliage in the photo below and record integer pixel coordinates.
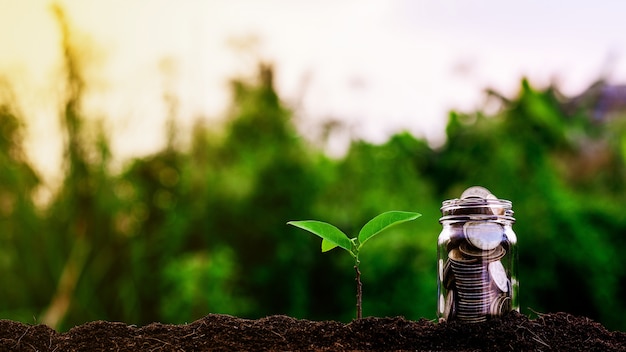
(332, 237)
(382, 222)
(201, 282)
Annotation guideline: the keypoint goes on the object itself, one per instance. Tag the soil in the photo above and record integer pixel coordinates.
(215, 332)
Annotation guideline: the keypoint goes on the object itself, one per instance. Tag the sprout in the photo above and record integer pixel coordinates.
(332, 237)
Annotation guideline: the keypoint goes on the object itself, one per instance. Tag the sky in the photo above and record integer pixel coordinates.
(378, 66)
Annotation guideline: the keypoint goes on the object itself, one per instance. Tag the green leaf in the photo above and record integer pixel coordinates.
(383, 221)
(327, 245)
(327, 232)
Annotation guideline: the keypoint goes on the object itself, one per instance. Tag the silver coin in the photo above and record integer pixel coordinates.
(471, 276)
(473, 303)
(448, 276)
(480, 303)
(468, 266)
(478, 307)
(458, 260)
(467, 312)
(474, 293)
(473, 283)
(473, 279)
(471, 316)
(500, 305)
(473, 288)
(470, 251)
(488, 293)
(457, 257)
(473, 319)
(476, 281)
(498, 274)
(477, 192)
(467, 272)
(449, 306)
(466, 263)
(477, 289)
(483, 235)
(497, 254)
(498, 210)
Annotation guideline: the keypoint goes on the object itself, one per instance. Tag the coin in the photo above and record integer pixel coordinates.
(486, 293)
(498, 274)
(472, 313)
(470, 271)
(457, 257)
(506, 244)
(480, 289)
(471, 251)
(500, 305)
(498, 209)
(483, 235)
(448, 309)
(497, 254)
(477, 192)
(473, 319)
(483, 296)
(448, 276)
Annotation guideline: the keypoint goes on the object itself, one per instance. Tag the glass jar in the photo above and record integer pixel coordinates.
(477, 258)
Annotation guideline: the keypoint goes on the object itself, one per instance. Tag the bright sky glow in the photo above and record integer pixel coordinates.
(379, 66)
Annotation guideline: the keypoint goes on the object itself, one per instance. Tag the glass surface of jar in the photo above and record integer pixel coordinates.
(477, 258)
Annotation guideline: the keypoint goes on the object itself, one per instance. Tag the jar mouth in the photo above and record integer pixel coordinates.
(475, 208)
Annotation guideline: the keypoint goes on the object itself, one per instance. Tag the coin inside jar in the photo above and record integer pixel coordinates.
(448, 275)
(471, 251)
(498, 274)
(448, 306)
(500, 305)
(483, 235)
(455, 255)
(497, 254)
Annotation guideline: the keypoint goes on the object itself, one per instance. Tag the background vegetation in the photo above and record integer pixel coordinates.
(202, 229)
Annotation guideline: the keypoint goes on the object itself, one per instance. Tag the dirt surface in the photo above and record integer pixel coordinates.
(514, 332)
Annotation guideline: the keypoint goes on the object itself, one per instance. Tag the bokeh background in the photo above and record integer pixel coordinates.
(151, 153)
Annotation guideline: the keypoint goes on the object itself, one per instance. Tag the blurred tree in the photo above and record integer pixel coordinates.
(79, 220)
(265, 177)
(20, 223)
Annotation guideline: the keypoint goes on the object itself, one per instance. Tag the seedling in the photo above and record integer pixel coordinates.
(332, 237)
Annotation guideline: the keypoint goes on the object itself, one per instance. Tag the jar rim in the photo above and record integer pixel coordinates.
(498, 209)
(476, 201)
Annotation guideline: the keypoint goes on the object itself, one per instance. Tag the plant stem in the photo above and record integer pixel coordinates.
(359, 293)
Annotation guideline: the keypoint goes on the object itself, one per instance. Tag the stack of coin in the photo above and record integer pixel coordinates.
(477, 283)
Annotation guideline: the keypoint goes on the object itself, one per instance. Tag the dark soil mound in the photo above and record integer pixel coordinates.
(515, 332)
